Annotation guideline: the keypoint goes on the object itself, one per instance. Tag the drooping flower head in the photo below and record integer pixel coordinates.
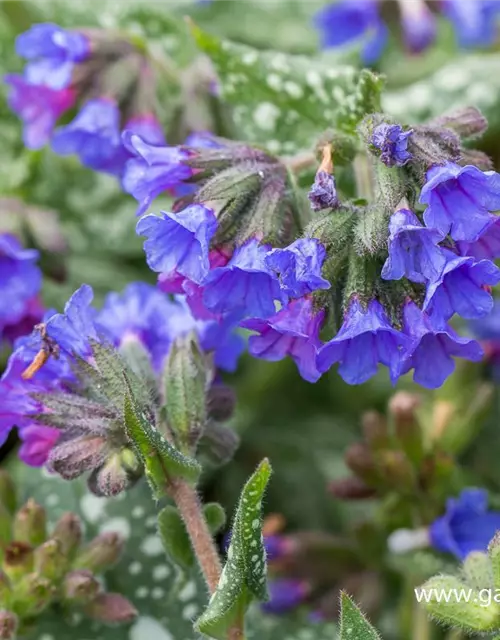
(346, 21)
(419, 25)
(433, 346)
(365, 339)
(294, 332)
(467, 525)
(20, 282)
(323, 193)
(391, 142)
(413, 250)
(459, 200)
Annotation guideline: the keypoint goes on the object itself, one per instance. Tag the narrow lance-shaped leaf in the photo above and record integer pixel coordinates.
(161, 460)
(353, 624)
(244, 575)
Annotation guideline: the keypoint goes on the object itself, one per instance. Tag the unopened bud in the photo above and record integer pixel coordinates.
(30, 524)
(352, 488)
(403, 409)
(397, 470)
(18, 560)
(219, 443)
(362, 463)
(8, 625)
(477, 570)
(375, 430)
(49, 560)
(111, 608)
(471, 615)
(101, 553)
(32, 595)
(467, 122)
(80, 587)
(110, 479)
(68, 532)
(221, 401)
(404, 540)
(71, 458)
(7, 492)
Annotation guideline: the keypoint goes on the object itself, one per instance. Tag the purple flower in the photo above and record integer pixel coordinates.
(392, 143)
(94, 135)
(246, 284)
(419, 25)
(202, 140)
(53, 52)
(152, 170)
(294, 332)
(467, 525)
(285, 594)
(350, 20)
(20, 281)
(323, 194)
(433, 345)
(277, 546)
(461, 288)
(37, 442)
(32, 315)
(72, 329)
(474, 20)
(38, 107)
(487, 246)
(299, 266)
(413, 250)
(178, 243)
(365, 339)
(459, 200)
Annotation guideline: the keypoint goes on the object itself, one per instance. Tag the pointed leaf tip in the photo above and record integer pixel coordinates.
(353, 624)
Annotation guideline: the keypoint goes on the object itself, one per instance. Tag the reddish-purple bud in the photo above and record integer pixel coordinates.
(111, 608)
(68, 532)
(72, 458)
(352, 488)
(8, 625)
(101, 553)
(18, 560)
(80, 587)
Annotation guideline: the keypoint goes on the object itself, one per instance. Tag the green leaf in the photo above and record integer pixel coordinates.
(285, 102)
(175, 537)
(244, 575)
(353, 624)
(159, 457)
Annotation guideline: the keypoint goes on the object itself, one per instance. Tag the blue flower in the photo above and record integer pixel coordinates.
(53, 52)
(323, 194)
(413, 250)
(38, 107)
(285, 594)
(72, 329)
(246, 284)
(466, 526)
(299, 266)
(433, 345)
(459, 200)
(294, 332)
(20, 281)
(178, 243)
(487, 246)
(419, 25)
(365, 339)
(350, 20)
(152, 170)
(474, 20)
(392, 144)
(461, 288)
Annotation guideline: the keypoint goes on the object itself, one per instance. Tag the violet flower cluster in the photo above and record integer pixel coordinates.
(141, 315)
(68, 69)
(348, 21)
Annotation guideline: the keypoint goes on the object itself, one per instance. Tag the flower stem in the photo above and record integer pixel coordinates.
(301, 162)
(363, 174)
(189, 505)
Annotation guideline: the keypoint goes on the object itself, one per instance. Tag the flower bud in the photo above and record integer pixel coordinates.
(80, 587)
(49, 561)
(186, 376)
(375, 430)
(221, 401)
(362, 463)
(467, 122)
(32, 595)
(477, 570)
(18, 560)
(111, 608)
(5, 524)
(110, 479)
(68, 532)
(472, 615)
(7, 491)
(101, 553)
(397, 470)
(219, 443)
(431, 145)
(8, 625)
(352, 488)
(403, 409)
(30, 524)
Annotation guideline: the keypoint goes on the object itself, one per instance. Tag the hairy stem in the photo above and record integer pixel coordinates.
(189, 506)
(363, 174)
(301, 162)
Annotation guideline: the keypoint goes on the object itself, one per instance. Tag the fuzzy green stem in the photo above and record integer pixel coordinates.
(421, 628)
(363, 174)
